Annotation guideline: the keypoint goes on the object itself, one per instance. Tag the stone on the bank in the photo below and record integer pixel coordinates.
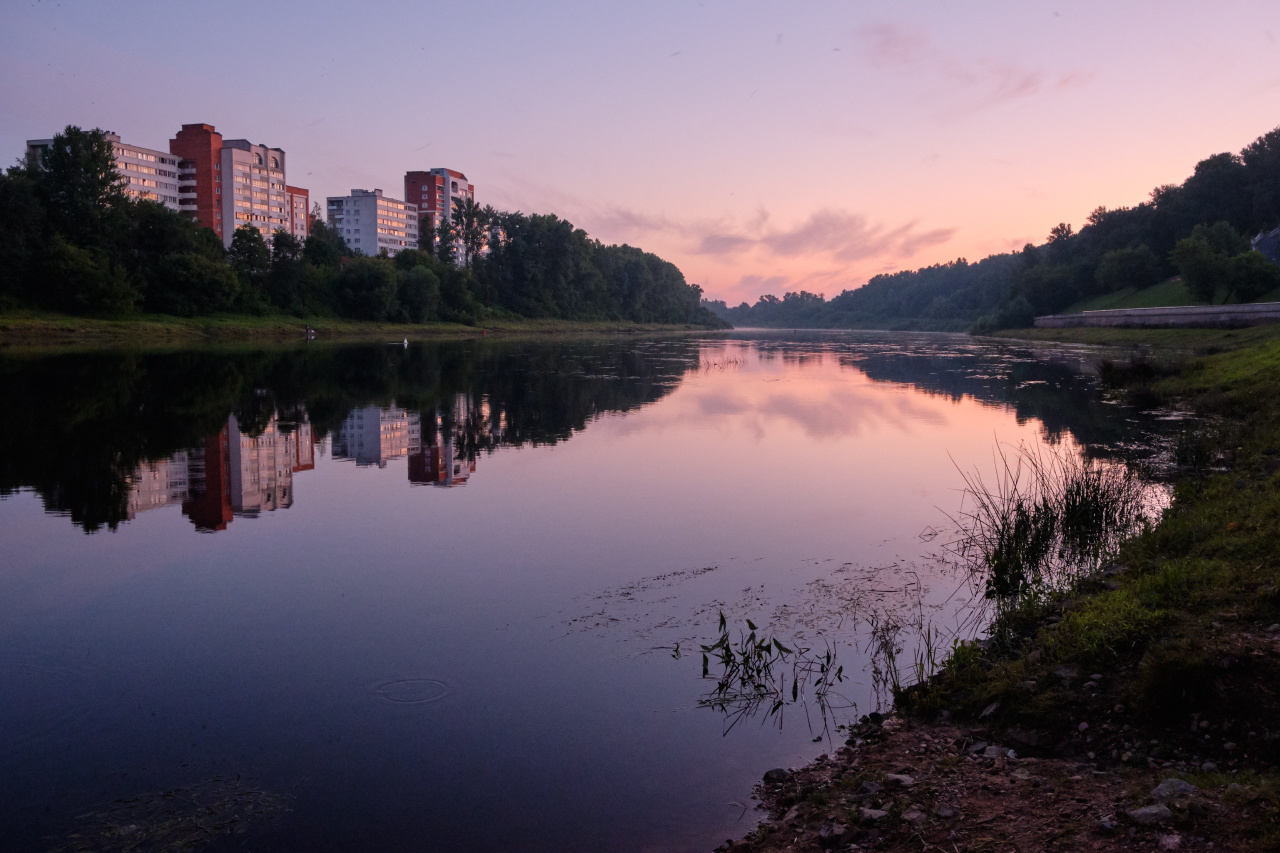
(870, 815)
(1151, 815)
(831, 833)
(915, 814)
(944, 811)
(1208, 767)
(867, 789)
(1170, 842)
(1172, 788)
(899, 779)
(776, 776)
(1107, 824)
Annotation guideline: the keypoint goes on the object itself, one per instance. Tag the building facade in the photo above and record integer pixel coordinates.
(371, 223)
(436, 192)
(147, 173)
(227, 183)
(299, 212)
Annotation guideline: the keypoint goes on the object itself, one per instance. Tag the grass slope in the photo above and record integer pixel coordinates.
(1173, 660)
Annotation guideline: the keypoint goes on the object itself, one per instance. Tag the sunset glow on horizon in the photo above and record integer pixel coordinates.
(760, 147)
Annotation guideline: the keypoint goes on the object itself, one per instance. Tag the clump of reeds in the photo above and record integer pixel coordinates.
(753, 678)
(1047, 520)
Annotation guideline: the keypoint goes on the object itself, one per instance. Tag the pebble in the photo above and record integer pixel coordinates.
(1208, 767)
(1107, 824)
(915, 814)
(899, 779)
(776, 776)
(1228, 746)
(871, 815)
(1170, 842)
(1172, 788)
(869, 788)
(943, 810)
(1084, 727)
(1150, 815)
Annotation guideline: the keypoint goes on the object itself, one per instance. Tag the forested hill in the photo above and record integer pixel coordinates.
(71, 240)
(1199, 229)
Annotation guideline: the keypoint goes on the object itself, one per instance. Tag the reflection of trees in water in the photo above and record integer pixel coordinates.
(78, 427)
(1065, 400)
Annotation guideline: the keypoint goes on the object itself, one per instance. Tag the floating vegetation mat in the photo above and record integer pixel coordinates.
(178, 819)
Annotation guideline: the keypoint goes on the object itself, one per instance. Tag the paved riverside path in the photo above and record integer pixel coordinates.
(1248, 314)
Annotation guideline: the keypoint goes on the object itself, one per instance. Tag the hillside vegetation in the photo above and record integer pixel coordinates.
(1197, 230)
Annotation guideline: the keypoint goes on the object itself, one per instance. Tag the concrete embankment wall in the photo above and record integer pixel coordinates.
(1249, 314)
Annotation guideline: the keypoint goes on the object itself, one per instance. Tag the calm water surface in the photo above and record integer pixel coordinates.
(430, 596)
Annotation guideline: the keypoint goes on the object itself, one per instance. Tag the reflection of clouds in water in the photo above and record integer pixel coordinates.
(821, 409)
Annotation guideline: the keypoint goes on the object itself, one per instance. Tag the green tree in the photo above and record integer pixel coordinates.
(1134, 266)
(447, 242)
(324, 246)
(77, 181)
(194, 284)
(22, 222)
(471, 226)
(84, 281)
(1204, 259)
(418, 296)
(367, 288)
(1253, 275)
(249, 255)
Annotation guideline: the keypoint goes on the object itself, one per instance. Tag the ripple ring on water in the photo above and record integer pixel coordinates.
(413, 691)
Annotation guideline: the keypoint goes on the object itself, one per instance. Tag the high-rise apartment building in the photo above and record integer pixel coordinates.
(299, 212)
(231, 182)
(373, 435)
(370, 222)
(436, 192)
(147, 173)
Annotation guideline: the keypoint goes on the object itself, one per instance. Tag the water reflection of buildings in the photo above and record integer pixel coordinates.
(372, 436)
(231, 474)
(234, 473)
(441, 446)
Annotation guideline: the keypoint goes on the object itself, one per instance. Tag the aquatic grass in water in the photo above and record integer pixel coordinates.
(753, 678)
(1047, 520)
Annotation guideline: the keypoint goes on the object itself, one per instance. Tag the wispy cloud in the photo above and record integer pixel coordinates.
(841, 235)
(978, 83)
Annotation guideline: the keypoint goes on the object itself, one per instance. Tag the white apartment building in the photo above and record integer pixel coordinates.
(253, 188)
(261, 468)
(147, 173)
(159, 484)
(371, 223)
(373, 435)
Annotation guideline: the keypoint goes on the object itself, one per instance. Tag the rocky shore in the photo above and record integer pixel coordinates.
(899, 785)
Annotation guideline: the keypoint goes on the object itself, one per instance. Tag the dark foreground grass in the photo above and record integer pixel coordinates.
(1171, 659)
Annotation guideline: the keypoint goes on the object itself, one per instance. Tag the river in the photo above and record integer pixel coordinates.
(449, 596)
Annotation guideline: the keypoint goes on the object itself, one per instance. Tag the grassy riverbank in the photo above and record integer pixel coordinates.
(1166, 665)
(41, 329)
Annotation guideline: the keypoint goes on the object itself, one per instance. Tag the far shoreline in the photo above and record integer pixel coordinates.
(40, 330)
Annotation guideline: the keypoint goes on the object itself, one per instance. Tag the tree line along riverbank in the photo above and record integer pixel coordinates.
(72, 241)
(1064, 730)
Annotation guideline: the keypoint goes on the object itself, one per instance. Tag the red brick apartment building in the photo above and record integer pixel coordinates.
(435, 193)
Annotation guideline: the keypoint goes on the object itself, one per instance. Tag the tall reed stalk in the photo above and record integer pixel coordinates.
(1047, 519)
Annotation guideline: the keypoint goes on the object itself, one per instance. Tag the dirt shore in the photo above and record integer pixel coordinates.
(899, 785)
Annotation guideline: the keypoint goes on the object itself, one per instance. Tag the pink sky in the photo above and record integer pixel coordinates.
(762, 147)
